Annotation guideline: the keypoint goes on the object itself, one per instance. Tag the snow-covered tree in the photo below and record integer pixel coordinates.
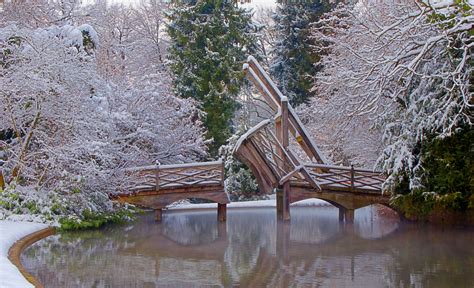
(294, 58)
(51, 103)
(40, 13)
(66, 133)
(404, 66)
(209, 43)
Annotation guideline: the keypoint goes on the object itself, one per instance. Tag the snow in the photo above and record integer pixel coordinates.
(248, 204)
(10, 232)
(71, 35)
(444, 3)
(250, 132)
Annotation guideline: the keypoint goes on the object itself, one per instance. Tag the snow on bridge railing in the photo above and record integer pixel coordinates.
(160, 177)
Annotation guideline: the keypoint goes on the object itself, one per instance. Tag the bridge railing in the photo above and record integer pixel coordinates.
(273, 97)
(160, 177)
(282, 163)
(346, 178)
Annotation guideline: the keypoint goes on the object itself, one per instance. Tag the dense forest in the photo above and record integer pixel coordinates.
(88, 90)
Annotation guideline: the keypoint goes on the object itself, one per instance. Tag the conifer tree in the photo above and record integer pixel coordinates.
(294, 57)
(210, 40)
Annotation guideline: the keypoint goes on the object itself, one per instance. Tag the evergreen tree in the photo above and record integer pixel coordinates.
(209, 43)
(294, 57)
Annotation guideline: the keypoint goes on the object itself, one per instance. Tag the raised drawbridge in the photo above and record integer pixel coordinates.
(266, 150)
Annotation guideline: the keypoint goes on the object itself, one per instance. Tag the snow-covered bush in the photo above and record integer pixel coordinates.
(68, 133)
(51, 103)
(240, 184)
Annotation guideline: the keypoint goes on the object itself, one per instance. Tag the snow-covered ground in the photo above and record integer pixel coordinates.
(10, 232)
(248, 204)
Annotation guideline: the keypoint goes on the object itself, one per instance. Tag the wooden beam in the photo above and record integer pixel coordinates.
(158, 215)
(221, 212)
(298, 130)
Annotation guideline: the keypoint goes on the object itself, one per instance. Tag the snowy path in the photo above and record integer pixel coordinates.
(10, 232)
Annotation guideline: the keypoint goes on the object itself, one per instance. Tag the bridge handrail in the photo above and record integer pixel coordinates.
(346, 177)
(265, 83)
(324, 166)
(295, 169)
(249, 133)
(178, 175)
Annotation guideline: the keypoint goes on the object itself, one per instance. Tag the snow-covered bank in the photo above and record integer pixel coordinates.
(248, 204)
(10, 232)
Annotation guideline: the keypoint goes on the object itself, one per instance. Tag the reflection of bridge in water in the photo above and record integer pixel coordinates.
(254, 249)
(282, 157)
(286, 247)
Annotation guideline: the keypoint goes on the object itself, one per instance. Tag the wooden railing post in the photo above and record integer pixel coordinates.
(157, 175)
(284, 122)
(352, 177)
(222, 173)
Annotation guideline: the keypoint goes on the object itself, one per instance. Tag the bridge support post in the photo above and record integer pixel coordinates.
(158, 215)
(283, 202)
(221, 212)
(349, 216)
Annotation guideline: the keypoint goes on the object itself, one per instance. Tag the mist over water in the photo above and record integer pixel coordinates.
(253, 249)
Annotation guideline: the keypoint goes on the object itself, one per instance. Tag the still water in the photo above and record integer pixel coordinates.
(191, 249)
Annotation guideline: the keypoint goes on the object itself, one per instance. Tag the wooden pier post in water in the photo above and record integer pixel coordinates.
(158, 215)
(221, 212)
(349, 216)
(282, 133)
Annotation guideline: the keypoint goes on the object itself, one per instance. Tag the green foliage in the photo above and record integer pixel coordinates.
(448, 164)
(241, 183)
(447, 21)
(210, 40)
(94, 220)
(295, 57)
(415, 204)
(447, 180)
(87, 41)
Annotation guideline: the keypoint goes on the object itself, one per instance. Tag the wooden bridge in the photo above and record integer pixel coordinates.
(268, 149)
(157, 186)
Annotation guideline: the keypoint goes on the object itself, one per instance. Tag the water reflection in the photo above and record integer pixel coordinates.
(191, 249)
